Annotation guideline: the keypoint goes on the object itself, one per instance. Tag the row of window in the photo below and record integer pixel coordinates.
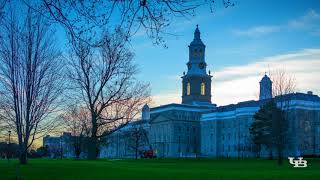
(230, 148)
(188, 144)
(187, 129)
(229, 136)
(203, 89)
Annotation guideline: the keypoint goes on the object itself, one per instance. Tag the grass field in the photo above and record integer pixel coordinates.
(158, 169)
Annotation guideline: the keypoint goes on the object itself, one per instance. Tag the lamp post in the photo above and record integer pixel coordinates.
(61, 150)
(9, 135)
(9, 142)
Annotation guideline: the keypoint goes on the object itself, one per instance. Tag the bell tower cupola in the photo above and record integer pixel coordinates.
(265, 88)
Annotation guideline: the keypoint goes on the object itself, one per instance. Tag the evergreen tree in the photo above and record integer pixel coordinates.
(261, 128)
(269, 129)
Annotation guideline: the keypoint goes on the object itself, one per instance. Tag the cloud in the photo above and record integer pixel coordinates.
(310, 22)
(306, 20)
(166, 98)
(241, 83)
(257, 31)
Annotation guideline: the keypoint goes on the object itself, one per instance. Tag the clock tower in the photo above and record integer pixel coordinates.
(196, 83)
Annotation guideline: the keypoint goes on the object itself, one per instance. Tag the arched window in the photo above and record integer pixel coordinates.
(200, 54)
(188, 88)
(203, 89)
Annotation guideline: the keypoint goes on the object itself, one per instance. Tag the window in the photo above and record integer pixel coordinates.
(200, 53)
(203, 87)
(188, 88)
(195, 53)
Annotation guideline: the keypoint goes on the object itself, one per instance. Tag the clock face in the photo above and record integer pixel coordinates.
(201, 65)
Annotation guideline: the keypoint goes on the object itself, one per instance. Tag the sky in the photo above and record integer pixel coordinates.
(242, 43)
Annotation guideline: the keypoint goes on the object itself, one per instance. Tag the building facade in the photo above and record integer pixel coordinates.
(198, 128)
(59, 146)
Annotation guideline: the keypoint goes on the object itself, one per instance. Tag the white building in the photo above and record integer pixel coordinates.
(199, 128)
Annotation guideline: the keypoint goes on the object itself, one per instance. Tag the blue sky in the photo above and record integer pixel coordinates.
(242, 41)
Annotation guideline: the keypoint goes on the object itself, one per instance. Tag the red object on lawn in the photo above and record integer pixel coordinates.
(149, 154)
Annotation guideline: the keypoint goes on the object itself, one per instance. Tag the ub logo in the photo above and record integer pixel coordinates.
(299, 163)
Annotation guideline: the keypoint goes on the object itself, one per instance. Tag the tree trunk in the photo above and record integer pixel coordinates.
(280, 154)
(280, 159)
(136, 151)
(77, 152)
(22, 152)
(93, 140)
(23, 157)
(270, 154)
(92, 148)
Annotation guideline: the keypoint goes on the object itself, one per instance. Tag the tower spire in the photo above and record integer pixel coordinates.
(197, 33)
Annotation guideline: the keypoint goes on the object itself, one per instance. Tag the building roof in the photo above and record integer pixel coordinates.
(265, 79)
(197, 39)
(183, 107)
(296, 100)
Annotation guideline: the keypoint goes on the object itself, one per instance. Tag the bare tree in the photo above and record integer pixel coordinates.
(283, 84)
(137, 138)
(76, 121)
(30, 77)
(83, 20)
(3, 4)
(104, 77)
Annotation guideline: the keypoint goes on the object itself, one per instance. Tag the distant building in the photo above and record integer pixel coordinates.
(59, 146)
(198, 128)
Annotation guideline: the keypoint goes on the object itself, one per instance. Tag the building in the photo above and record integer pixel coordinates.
(59, 146)
(198, 128)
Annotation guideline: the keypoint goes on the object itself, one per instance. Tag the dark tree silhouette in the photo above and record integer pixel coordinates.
(269, 128)
(83, 20)
(260, 129)
(30, 77)
(76, 121)
(137, 138)
(104, 79)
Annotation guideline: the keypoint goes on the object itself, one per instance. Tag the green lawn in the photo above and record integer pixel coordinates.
(159, 169)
